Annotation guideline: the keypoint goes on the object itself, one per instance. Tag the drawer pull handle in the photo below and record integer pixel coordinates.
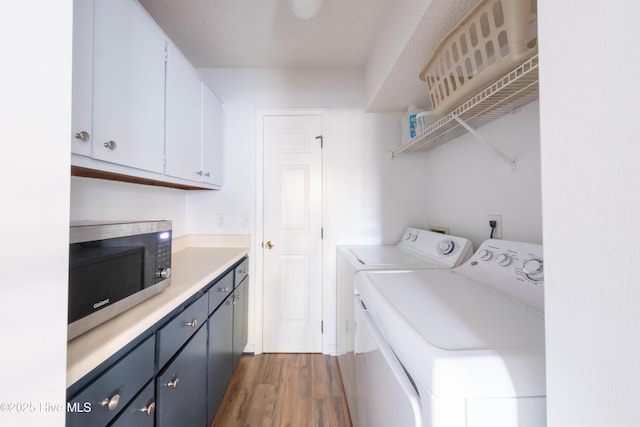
(193, 323)
(111, 403)
(225, 290)
(173, 383)
(149, 409)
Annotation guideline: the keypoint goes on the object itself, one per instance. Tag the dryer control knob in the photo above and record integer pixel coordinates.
(446, 247)
(533, 269)
(485, 255)
(504, 260)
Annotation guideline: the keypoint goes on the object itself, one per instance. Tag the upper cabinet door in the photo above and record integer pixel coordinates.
(184, 118)
(212, 138)
(128, 86)
(82, 74)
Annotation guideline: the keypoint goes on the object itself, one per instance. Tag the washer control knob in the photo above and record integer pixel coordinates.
(446, 247)
(533, 269)
(504, 260)
(485, 255)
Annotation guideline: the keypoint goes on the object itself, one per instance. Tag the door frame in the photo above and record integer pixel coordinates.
(259, 223)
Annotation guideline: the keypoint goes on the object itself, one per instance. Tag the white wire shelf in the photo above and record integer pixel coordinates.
(516, 89)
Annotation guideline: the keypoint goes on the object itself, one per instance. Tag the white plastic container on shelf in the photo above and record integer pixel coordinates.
(408, 124)
(424, 119)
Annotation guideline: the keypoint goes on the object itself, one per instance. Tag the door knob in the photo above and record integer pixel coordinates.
(269, 244)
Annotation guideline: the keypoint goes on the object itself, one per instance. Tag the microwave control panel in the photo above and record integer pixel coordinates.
(163, 259)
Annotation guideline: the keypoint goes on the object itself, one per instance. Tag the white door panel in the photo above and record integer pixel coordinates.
(293, 222)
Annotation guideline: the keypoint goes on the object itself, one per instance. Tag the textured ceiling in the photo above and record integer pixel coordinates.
(265, 33)
(400, 35)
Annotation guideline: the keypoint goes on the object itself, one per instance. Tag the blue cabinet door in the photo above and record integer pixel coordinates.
(240, 320)
(141, 411)
(100, 402)
(220, 355)
(181, 387)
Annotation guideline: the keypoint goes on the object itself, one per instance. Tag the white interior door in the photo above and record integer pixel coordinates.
(292, 305)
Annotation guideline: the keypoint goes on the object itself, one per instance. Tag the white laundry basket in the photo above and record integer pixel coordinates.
(493, 39)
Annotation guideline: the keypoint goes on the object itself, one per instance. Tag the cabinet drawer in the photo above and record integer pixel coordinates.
(113, 389)
(220, 291)
(242, 271)
(141, 412)
(175, 333)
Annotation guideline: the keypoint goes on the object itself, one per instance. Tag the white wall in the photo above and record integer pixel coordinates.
(35, 117)
(365, 196)
(97, 199)
(467, 180)
(589, 67)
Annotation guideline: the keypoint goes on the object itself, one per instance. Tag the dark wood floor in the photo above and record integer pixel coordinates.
(293, 390)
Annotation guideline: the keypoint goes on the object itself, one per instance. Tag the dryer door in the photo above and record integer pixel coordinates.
(385, 395)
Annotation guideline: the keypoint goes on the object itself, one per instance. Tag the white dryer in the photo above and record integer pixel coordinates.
(418, 249)
(454, 348)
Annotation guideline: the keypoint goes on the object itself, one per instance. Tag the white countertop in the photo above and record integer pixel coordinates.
(191, 270)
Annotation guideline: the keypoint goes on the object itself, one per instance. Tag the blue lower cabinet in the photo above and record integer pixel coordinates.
(240, 320)
(141, 411)
(174, 334)
(178, 375)
(100, 402)
(181, 387)
(220, 355)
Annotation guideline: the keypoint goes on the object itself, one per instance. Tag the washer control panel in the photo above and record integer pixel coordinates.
(448, 249)
(513, 268)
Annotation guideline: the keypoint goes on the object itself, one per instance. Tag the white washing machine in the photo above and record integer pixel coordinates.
(418, 249)
(454, 348)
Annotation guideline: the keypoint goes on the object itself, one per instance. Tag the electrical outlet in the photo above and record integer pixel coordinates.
(497, 233)
(439, 229)
(220, 220)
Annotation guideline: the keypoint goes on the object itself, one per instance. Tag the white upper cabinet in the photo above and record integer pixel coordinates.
(82, 77)
(140, 112)
(128, 86)
(212, 137)
(183, 119)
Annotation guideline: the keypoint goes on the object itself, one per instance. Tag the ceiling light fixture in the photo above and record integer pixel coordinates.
(305, 9)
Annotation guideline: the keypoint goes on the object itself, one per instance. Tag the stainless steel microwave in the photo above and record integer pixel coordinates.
(114, 266)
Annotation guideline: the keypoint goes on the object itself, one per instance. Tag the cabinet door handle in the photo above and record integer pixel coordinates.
(173, 383)
(207, 174)
(111, 145)
(199, 173)
(82, 136)
(193, 323)
(149, 409)
(225, 290)
(111, 403)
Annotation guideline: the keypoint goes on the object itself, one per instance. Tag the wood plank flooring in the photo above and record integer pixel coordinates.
(284, 390)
